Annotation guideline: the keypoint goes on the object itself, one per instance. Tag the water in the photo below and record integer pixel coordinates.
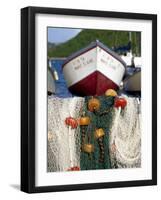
(61, 87)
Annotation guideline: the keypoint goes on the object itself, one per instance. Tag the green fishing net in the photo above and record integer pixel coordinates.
(99, 119)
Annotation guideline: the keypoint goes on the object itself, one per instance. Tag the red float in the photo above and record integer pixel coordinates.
(75, 168)
(70, 121)
(120, 102)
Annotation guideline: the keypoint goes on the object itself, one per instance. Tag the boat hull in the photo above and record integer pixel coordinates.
(51, 82)
(92, 72)
(89, 85)
(133, 82)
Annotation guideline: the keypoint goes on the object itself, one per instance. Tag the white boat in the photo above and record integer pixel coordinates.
(132, 61)
(93, 70)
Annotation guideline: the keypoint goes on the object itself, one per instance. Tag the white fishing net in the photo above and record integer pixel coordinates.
(63, 142)
(125, 136)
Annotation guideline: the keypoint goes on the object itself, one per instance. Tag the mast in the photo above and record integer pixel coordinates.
(130, 36)
(130, 40)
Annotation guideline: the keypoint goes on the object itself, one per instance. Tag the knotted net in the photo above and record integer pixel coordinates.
(63, 142)
(125, 136)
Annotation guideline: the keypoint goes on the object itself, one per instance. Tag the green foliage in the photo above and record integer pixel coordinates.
(85, 37)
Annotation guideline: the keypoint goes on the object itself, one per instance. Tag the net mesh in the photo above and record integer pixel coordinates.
(122, 140)
(125, 136)
(63, 142)
(98, 120)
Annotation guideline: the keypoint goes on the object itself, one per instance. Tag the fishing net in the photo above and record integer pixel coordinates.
(99, 119)
(120, 145)
(63, 142)
(125, 136)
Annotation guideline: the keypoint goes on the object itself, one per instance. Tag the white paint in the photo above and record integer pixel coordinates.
(80, 67)
(93, 60)
(109, 66)
(43, 178)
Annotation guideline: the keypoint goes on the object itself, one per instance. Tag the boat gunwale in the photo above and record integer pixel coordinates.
(92, 46)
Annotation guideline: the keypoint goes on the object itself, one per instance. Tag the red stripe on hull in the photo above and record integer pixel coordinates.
(94, 84)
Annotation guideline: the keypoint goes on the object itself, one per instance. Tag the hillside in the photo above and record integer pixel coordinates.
(51, 45)
(85, 37)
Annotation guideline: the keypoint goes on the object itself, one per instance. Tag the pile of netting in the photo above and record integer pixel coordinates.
(112, 138)
(125, 136)
(63, 141)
